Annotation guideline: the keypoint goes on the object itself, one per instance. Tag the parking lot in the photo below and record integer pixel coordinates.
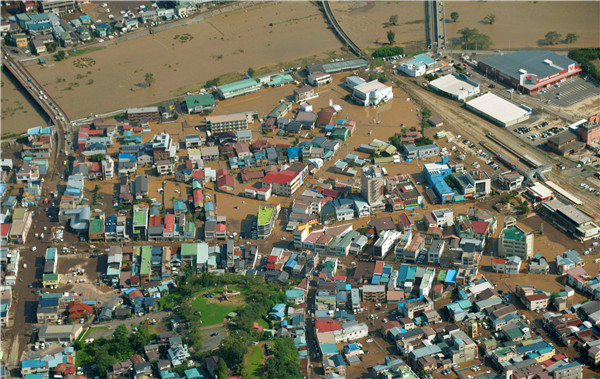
(537, 130)
(569, 92)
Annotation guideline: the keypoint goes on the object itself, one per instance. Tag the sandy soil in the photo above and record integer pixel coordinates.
(223, 44)
(518, 25)
(18, 112)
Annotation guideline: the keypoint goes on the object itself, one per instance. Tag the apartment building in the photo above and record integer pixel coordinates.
(227, 123)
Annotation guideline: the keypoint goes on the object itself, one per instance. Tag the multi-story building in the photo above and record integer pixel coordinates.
(57, 6)
(227, 123)
(163, 147)
(371, 185)
(165, 167)
(374, 293)
(413, 308)
(435, 251)
(21, 223)
(590, 132)
(140, 221)
(462, 348)
(143, 114)
(514, 241)
(284, 183)
(267, 215)
(384, 243)
(511, 180)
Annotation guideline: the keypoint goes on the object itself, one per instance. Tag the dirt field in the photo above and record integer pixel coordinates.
(18, 112)
(518, 25)
(223, 44)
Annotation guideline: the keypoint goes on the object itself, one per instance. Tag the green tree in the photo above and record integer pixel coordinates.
(149, 79)
(140, 338)
(60, 55)
(454, 16)
(251, 71)
(373, 76)
(221, 370)
(553, 37)
(571, 37)
(490, 18)
(284, 362)
(296, 141)
(393, 19)
(103, 360)
(97, 157)
(120, 335)
(391, 36)
(233, 348)
(213, 82)
(473, 39)
(51, 47)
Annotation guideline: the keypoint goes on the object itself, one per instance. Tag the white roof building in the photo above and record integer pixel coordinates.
(498, 110)
(457, 86)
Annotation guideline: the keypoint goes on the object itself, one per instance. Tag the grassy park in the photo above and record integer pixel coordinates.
(214, 309)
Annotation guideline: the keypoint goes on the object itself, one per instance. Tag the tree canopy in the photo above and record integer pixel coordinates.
(472, 39)
(454, 16)
(391, 36)
(553, 37)
(571, 37)
(149, 78)
(387, 51)
(284, 362)
(490, 18)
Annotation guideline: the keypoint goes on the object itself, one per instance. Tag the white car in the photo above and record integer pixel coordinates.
(597, 260)
(370, 340)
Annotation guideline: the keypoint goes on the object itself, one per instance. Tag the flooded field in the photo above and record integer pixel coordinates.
(518, 25)
(18, 112)
(256, 37)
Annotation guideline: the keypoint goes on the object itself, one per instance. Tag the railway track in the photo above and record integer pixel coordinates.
(341, 33)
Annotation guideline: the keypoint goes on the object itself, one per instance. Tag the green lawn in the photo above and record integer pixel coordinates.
(252, 361)
(213, 313)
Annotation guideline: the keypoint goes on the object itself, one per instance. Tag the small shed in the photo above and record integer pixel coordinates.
(435, 121)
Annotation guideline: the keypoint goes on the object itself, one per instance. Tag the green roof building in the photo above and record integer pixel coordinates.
(199, 103)
(281, 110)
(242, 87)
(50, 280)
(515, 241)
(96, 228)
(146, 255)
(267, 215)
(280, 80)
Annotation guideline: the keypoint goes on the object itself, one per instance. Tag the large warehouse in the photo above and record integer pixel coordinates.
(498, 110)
(457, 86)
(529, 70)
